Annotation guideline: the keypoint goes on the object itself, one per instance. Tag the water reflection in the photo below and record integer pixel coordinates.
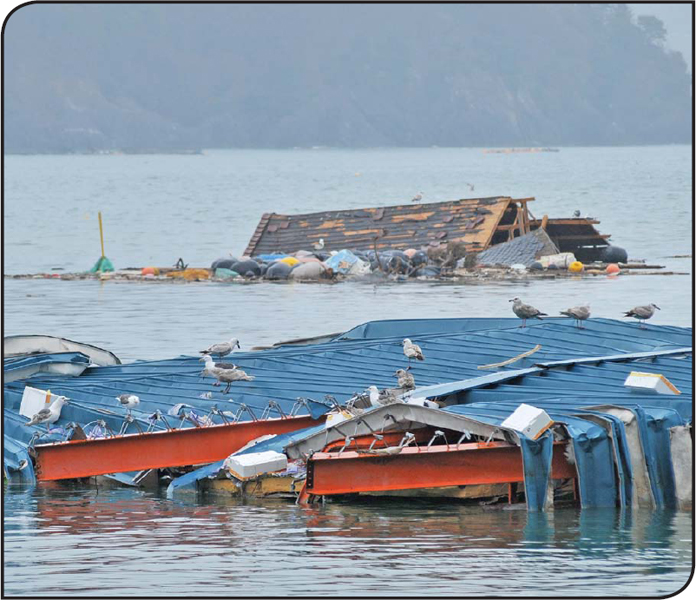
(80, 541)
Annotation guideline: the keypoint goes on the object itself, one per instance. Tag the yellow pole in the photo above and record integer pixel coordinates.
(101, 234)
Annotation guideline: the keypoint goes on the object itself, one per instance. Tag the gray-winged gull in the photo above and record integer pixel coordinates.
(412, 350)
(418, 197)
(642, 313)
(49, 415)
(129, 401)
(222, 349)
(229, 376)
(579, 313)
(525, 311)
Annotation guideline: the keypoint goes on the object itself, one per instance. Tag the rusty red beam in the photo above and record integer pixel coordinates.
(437, 466)
(156, 450)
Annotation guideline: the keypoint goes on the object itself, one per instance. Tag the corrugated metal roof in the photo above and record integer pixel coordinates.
(453, 350)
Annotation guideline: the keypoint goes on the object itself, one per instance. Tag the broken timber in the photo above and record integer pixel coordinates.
(478, 223)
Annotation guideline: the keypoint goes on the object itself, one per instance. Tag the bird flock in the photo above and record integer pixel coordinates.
(229, 373)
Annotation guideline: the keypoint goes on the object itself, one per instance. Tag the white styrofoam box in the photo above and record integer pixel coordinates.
(335, 418)
(651, 382)
(529, 420)
(245, 466)
(422, 402)
(33, 400)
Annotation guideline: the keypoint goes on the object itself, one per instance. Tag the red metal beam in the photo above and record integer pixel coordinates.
(437, 466)
(135, 452)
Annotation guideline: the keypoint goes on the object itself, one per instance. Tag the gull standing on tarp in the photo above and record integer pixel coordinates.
(49, 415)
(228, 376)
(211, 365)
(412, 350)
(129, 401)
(642, 313)
(222, 349)
(525, 311)
(579, 313)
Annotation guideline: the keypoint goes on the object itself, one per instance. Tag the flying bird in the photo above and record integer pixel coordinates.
(49, 415)
(642, 313)
(579, 313)
(405, 379)
(412, 350)
(129, 401)
(525, 311)
(222, 349)
(471, 186)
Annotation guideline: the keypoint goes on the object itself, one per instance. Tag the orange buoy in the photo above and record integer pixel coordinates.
(612, 269)
(576, 267)
(149, 271)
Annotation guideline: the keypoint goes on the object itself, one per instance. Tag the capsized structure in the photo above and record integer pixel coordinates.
(607, 443)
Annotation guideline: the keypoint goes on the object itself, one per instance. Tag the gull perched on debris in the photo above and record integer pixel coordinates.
(383, 397)
(412, 350)
(222, 349)
(211, 365)
(405, 380)
(579, 313)
(129, 401)
(525, 311)
(319, 245)
(229, 376)
(642, 313)
(49, 415)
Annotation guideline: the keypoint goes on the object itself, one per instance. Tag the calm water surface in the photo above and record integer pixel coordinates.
(66, 540)
(73, 541)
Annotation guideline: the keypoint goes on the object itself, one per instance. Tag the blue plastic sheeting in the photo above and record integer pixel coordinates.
(536, 458)
(369, 355)
(277, 443)
(593, 449)
(17, 464)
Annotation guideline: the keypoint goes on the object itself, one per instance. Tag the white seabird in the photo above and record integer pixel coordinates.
(412, 350)
(129, 401)
(229, 376)
(579, 313)
(49, 415)
(525, 311)
(381, 398)
(642, 313)
(211, 365)
(319, 245)
(222, 349)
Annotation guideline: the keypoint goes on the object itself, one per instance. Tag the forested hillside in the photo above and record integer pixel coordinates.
(171, 77)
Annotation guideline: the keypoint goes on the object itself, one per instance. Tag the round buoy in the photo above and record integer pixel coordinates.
(614, 254)
(576, 267)
(536, 266)
(148, 271)
(612, 269)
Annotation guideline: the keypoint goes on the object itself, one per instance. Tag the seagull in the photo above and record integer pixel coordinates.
(418, 197)
(49, 415)
(211, 365)
(579, 313)
(130, 401)
(642, 313)
(471, 186)
(576, 214)
(405, 380)
(229, 376)
(412, 350)
(381, 398)
(319, 245)
(222, 349)
(525, 311)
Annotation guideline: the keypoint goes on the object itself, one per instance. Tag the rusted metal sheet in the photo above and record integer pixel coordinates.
(472, 221)
(136, 452)
(437, 466)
